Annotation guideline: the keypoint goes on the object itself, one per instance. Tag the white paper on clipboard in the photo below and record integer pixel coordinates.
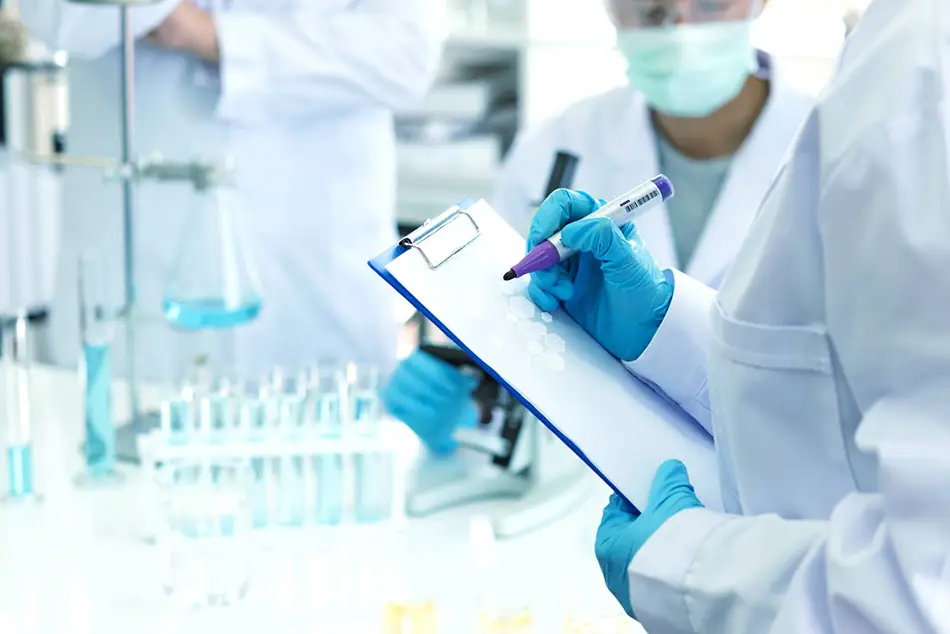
(616, 423)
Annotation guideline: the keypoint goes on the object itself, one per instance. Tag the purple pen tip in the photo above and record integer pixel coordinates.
(664, 185)
(510, 275)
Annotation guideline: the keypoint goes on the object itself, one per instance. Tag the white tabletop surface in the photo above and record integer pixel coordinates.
(77, 562)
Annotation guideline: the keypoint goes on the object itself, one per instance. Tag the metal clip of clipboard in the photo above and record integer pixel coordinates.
(435, 225)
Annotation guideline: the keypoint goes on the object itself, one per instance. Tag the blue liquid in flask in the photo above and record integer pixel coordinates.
(202, 314)
(20, 471)
(99, 447)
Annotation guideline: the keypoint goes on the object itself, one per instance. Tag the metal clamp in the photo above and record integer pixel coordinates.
(433, 226)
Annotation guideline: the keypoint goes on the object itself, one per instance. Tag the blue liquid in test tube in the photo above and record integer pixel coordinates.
(366, 412)
(291, 507)
(20, 471)
(373, 487)
(328, 415)
(99, 446)
(258, 493)
(329, 469)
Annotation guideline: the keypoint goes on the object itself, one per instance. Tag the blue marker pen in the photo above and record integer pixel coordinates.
(621, 210)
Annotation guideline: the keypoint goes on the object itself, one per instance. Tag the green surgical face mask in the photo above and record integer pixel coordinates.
(689, 70)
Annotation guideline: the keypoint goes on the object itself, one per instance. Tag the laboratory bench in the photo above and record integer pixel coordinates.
(80, 561)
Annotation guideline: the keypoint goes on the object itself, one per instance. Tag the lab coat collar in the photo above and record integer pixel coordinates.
(751, 173)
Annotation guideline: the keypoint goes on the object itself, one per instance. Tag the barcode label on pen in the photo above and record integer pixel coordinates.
(641, 201)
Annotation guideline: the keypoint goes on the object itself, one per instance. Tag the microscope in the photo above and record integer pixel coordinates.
(523, 460)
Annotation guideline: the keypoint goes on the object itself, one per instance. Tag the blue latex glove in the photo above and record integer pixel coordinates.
(612, 287)
(433, 398)
(622, 532)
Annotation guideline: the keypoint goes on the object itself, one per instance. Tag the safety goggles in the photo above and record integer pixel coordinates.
(631, 14)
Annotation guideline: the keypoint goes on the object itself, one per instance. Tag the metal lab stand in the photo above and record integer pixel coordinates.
(129, 169)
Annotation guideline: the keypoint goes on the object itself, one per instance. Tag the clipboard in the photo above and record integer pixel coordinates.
(448, 252)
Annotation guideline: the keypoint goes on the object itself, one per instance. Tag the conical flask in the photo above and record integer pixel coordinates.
(213, 282)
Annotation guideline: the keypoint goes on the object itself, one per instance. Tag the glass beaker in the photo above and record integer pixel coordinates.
(95, 368)
(213, 283)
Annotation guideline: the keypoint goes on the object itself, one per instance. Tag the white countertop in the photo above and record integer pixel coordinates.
(77, 562)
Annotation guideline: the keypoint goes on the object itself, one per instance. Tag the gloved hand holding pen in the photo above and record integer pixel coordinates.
(611, 287)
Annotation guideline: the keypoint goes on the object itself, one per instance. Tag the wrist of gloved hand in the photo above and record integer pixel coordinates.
(623, 531)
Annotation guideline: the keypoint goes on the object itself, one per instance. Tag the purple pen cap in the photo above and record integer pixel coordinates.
(664, 185)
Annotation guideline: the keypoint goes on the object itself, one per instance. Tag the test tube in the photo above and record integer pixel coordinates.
(291, 500)
(224, 407)
(16, 376)
(363, 390)
(329, 471)
(327, 384)
(374, 488)
(251, 422)
(327, 391)
(292, 393)
(184, 415)
(96, 330)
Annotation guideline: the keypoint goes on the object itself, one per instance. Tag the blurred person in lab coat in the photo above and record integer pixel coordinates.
(702, 106)
(300, 94)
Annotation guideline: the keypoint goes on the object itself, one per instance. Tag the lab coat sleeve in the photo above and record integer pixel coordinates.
(879, 565)
(88, 31)
(311, 60)
(675, 361)
(881, 562)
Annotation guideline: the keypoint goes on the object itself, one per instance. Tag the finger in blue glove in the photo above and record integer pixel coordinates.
(623, 531)
(550, 287)
(611, 287)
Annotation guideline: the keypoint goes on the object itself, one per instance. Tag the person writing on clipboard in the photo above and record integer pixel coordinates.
(821, 367)
(701, 106)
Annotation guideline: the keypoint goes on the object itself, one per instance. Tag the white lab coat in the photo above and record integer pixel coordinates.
(304, 104)
(828, 370)
(614, 139)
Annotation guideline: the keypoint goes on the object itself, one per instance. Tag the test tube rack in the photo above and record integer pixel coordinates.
(298, 476)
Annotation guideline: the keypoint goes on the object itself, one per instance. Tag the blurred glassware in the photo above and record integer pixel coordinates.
(97, 332)
(203, 536)
(214, 282)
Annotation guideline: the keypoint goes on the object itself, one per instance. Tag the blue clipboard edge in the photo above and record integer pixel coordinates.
(379, 263)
